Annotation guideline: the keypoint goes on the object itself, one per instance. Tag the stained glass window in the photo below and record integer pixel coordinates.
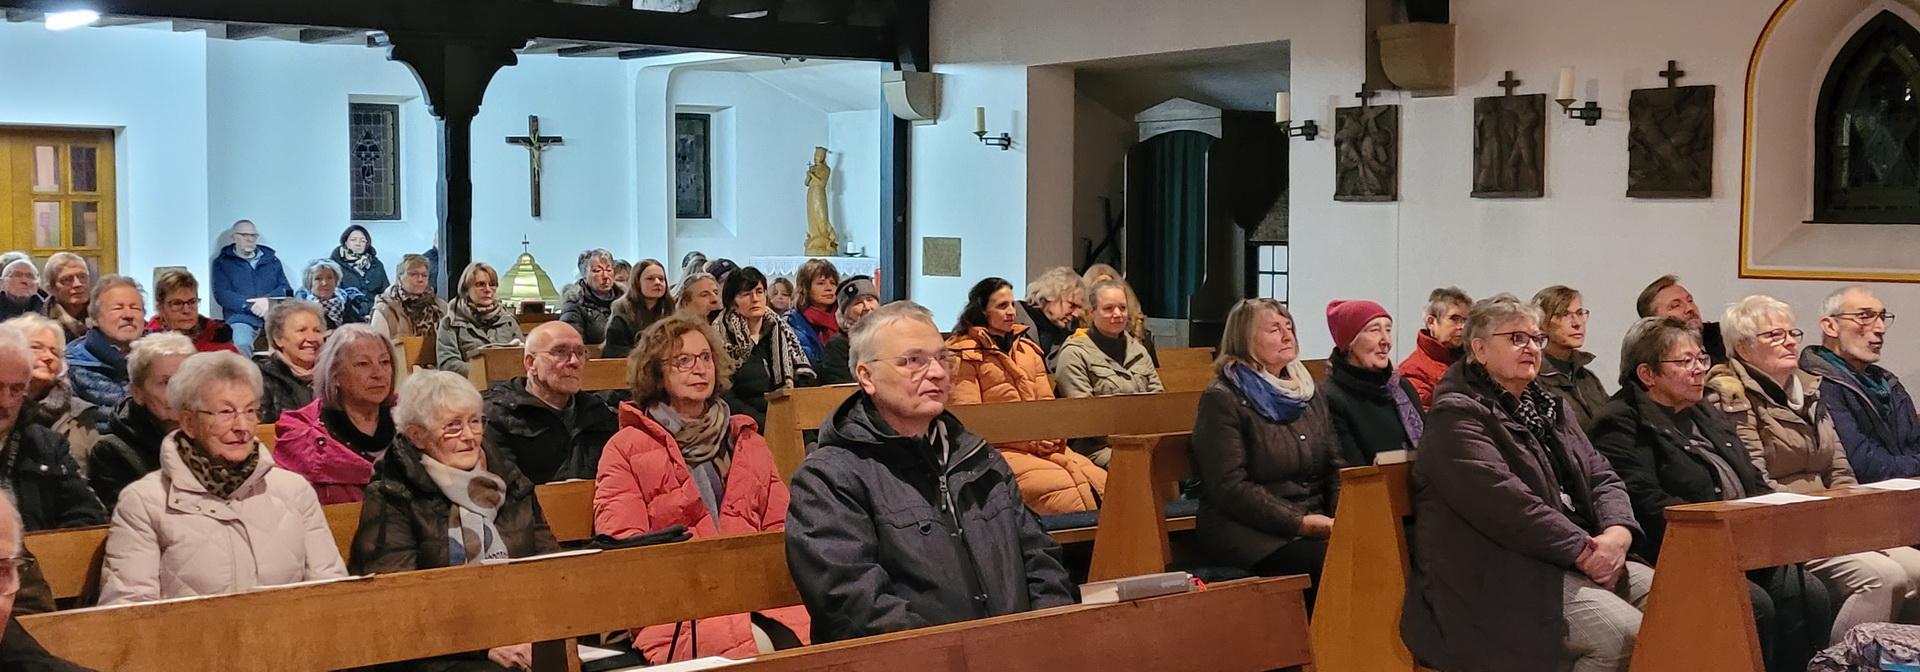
(374, 161)
(1867, 164)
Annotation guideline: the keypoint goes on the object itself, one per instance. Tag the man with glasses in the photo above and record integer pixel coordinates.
(20, 289)
(18, 650)
(1871, 410)
(246, 275)
(900, 518)
(553, 430)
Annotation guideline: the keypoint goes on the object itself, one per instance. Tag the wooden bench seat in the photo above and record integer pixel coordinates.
(492, 365)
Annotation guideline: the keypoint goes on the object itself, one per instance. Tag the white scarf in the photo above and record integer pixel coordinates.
(477, 495)
(1297, 385)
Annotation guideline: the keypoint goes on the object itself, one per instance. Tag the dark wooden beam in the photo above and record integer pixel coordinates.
(693, 31)
(23, 15)
(243, 31)
(332, 36)
(647, 52)
(111, 21)
(588, 50)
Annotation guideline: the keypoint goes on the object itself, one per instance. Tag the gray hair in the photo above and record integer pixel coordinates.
(110, 282)
(57, 263)
(6, 267)
(1647, 343)
(151, 348)
(16, 255)
(1056, 284)
(313, 271)
(1837, 301)
(278, 315)
(1439, 300)
(426, 393)
(685, 293)
(27, 323)
(203, 370)
(12, 518)
(587, 258)
(333, 359)
(1746, 319)
(14, 342)
(860, 342)
(1493, 312)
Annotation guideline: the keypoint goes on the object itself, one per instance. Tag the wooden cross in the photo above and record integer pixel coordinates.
(535, 144)
(1366, 95)
(1510, 83)
(1673, 73)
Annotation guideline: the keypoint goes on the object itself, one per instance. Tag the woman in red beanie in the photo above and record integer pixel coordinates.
(1374, 409)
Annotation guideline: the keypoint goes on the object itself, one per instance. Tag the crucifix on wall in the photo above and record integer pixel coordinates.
(535, 144)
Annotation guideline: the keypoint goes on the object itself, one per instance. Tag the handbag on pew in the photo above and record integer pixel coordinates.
(665, 535)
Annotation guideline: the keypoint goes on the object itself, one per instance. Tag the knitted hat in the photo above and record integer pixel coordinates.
(851, 290)
(1346, 318)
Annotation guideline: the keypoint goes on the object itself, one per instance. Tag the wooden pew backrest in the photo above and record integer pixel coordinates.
(1356, 622)
(1142, 477)
(1185, 358)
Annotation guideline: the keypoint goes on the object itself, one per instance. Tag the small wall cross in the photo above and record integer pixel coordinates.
(1673, 73)
(1366, 95)
(1510, 83)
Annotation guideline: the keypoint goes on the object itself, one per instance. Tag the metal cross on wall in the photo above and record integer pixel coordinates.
(535, 144)
(1509, 83)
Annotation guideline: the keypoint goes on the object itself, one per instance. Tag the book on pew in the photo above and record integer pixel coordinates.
(1387, 457)
(1136, 588)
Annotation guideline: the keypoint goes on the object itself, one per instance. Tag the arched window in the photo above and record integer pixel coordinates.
(1867, 153)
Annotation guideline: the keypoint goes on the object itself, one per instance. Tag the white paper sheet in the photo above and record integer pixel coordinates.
(1894, 484)
(708, 663)
(536, 558)
(1778, 498)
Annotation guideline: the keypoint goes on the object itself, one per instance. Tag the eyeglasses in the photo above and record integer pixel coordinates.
(1700, 361)
(1866, 317)
(1575, 313)
(1520, 339)
(453, 429)
(193, 303)
(10, 569)
(232, 415)
(1779, 336)
(565, 354)
(690, 362)
(916, 363)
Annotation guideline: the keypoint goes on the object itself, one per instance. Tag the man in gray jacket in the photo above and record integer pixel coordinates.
(901, 518)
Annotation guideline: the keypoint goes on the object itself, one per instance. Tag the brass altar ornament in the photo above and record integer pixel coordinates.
(526, 284)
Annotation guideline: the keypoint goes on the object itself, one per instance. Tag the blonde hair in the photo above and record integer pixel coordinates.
(1236, 343)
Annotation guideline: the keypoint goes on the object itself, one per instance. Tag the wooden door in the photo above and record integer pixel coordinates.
(57, 194)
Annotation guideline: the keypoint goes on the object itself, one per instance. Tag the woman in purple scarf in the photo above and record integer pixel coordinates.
(1374, 409)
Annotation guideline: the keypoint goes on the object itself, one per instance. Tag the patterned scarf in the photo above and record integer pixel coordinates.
(423, 309)
(219, 478)
(477, 495)
(1539, 410)
(1274, 398)
(1408, 409)
(335, 306)
(9, 453)
(701, 440)
(484, 318)
(787, 362)
(359, 261)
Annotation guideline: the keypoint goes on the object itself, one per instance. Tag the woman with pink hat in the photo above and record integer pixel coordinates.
(1374, 409)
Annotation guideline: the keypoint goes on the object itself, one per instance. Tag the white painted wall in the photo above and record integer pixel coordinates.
(854, 139)
(1584, 233)
(964, 189)
(152, 86)
(761, 153)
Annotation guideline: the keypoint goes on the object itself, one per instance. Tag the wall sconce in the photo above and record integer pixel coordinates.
(1003, 141)
(1563, 94)
(1283, 115)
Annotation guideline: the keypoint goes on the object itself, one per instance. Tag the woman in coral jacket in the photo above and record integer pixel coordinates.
(682, 457)
(999, 363)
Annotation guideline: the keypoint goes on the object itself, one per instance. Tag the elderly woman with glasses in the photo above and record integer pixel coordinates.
(440, 478)
(295, 331)
(69, 287)
(219, 516)
(176, 308)
(410, 308)
(1783, 423)
(51, 401)
(335, 440)
(683, 457)
(1671, 449)
(340, 304)
(1515, 518)
(131, 447)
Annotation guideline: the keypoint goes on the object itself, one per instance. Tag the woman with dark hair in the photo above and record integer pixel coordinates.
(998, 362)
(645, 302)
(812, 317)
(359, 263)
(765, 346)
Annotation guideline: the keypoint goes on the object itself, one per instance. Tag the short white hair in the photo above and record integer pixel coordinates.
(313, 271)
(203, 370)
(1746, 318)
(151, 348)
(14, 343)
(28, 323)
(587, 257)
(860, 342)
(1837, 301)
(427, 393)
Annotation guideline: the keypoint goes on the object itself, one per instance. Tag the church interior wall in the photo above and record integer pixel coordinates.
(772, 139)
(963, 189)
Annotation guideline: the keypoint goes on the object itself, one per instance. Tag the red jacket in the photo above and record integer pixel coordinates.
(211, 336)
(1426, 366)
(644, 485)
(303, 446)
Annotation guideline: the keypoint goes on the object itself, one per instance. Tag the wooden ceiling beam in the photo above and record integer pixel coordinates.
(332, 36)
(588, 50)
(647, 52)
(246, 31)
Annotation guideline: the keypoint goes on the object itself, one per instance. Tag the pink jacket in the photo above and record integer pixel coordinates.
(303, 446)
(644, 485)
(171, 538)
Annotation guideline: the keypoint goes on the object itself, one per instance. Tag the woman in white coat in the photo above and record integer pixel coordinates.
(218, 517)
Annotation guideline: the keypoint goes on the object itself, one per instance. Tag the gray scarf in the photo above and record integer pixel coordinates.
(477, 495)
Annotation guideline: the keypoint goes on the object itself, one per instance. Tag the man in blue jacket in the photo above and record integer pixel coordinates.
(245, 275)
(1871, 410)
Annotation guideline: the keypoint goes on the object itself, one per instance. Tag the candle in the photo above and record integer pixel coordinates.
(1565, 90)
(980, 120)
(1282, 107)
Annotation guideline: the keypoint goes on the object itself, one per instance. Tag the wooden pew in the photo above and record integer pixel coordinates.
(530, 320)
(1238, 626)
(1185, 358)
(1356, 622)
(597, 375)
(1700, 616)
(410, 350)
(502, 367)
(71, 559)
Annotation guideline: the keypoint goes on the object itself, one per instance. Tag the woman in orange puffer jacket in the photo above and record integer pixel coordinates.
(999, 363)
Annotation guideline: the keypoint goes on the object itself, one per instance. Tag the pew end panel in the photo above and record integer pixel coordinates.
(1356, 621)
(1131, 537)
(69, 559)
(568, 507)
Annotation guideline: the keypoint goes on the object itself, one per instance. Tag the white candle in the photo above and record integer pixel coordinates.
(980, 120)
(1565, 90)
(1282, 107)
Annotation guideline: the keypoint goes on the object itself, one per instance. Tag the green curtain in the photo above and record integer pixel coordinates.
(1177, 209)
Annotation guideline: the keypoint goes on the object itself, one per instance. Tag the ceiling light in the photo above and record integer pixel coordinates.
(71, 19)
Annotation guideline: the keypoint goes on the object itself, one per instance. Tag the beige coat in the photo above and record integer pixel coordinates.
(1082, 370)
(1797, 451)
(171, 538)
